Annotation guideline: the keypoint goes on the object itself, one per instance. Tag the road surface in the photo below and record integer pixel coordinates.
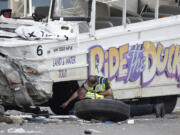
(143, 125)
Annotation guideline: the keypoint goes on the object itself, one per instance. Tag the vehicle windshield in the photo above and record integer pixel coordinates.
(70, 8)
(3, 4)
(38, 3)
(23, 8)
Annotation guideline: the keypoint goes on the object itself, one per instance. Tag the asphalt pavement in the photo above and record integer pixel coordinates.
(141, 125)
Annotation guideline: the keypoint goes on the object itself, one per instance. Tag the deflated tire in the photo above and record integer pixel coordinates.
(103, 110)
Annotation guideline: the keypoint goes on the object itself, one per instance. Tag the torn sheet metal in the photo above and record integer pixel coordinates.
(22, 88)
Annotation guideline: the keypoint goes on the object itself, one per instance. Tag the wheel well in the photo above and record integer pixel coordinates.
(62, 91)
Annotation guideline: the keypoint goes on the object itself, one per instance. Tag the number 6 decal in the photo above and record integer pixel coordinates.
(39, 50)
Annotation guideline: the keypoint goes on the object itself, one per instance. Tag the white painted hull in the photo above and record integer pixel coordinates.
(69, 60)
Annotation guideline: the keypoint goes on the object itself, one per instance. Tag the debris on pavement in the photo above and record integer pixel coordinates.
(109, 122)
(90, 131)
(16, 117)
(11, 120)
(131, 121)
(64, 117)
(93, 131)
(6, 119)
(13, 112)
(57, 119)
(19, 121)
(87, 132)
(21, 131)
(33, 118)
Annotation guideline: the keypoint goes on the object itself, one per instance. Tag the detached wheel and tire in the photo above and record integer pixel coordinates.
(103, 110)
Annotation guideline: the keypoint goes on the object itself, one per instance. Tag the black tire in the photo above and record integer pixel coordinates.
(159, 110)
(170, 103)
(103, 110)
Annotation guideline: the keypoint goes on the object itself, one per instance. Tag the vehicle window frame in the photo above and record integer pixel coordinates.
(72, 18)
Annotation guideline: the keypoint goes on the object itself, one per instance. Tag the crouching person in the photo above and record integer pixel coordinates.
(95, 87)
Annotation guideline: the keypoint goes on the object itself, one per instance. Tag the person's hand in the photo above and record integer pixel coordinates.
(100, 93)
(64, 105)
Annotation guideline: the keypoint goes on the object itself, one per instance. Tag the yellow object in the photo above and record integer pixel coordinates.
(94, 95)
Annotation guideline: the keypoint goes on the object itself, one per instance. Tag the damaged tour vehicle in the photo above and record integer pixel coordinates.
(46, 56)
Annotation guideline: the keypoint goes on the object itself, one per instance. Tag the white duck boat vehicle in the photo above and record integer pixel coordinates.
(47, 57)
